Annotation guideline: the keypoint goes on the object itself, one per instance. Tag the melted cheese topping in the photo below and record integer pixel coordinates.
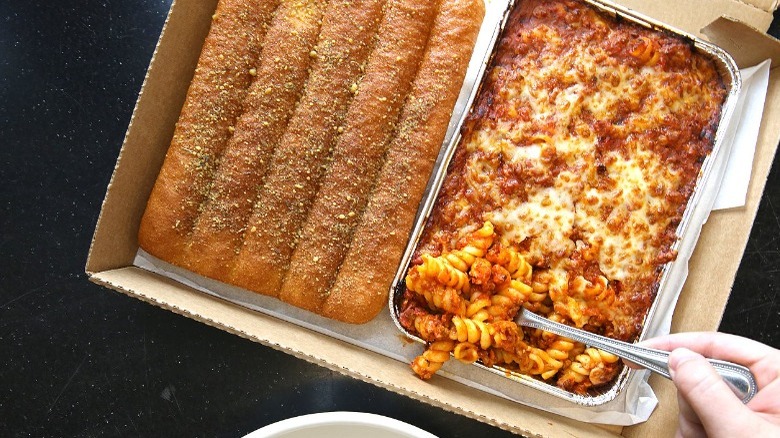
(582, 149)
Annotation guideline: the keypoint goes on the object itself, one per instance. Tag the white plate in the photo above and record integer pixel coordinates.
(340, 425)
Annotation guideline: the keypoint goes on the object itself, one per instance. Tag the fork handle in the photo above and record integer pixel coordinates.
(737, 377)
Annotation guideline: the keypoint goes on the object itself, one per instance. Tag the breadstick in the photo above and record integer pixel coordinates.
(358, 153)
(270, 102)
(346, 38)
(364, 279)
(212, 104)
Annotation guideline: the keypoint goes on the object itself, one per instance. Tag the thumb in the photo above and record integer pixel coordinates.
(705, 391)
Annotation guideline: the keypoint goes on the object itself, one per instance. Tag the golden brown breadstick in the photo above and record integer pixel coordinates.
(211, 107)
(362, 285)
(270, 102)
(358, 153)
(346, 38)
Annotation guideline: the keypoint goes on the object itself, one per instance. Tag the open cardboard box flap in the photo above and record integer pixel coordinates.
(711, 272)
(766, 5)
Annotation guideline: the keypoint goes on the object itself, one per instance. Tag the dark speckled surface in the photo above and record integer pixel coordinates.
(80, 360)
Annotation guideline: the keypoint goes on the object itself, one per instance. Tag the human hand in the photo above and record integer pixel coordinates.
(707, 406)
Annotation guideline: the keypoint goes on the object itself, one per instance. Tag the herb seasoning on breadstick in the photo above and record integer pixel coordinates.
(358, 154)
(213, 103)
(269, 104)
(346, 39)
(364, 279)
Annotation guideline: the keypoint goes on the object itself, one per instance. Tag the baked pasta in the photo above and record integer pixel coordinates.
(563, 196)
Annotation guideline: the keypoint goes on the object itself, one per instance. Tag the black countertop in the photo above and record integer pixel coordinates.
(79, 360)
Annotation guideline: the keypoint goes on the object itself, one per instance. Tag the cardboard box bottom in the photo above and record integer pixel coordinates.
(115, 244)
(341, 357)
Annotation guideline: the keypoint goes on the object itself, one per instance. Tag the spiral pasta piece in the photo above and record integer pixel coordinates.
(601, 372)
(482, 272)
(538, 299)
(517, 266)
(462, 259)
(584, 299)
(431, 361)
(477, 305)
(508, 336)
(537, 302)
(557, 284)
(593, 365)
(522, 270)
(432, 327)
(517, 359)
(446, 299)
(440, 269)
(574, 309)
(548, 338)
(598, 290)
(476, 247)
(544, 364)
(646, 51)
(504, 357)
(561, 348)
(416, 282)
(573, 375)
(466, 352)
(508, 299)
(472, 331)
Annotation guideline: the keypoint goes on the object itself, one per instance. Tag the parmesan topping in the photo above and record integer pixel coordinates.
(583, 148)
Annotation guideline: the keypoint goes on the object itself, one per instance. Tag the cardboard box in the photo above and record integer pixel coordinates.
(712, 267)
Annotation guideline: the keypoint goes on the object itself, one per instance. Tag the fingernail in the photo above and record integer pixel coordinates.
(678, 357)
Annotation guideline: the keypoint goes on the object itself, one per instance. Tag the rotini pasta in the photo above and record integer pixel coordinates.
(508, 336)
(445, 298)
(477, 306)
(516, 265)
(466, 352)
(646, 51)
(564, 194)
(508, 299)
(433, 358)
(560, 349)
(478, 244)
(544, 365)
(593, 366)
(482, 322)
(439, 269)
(432, 327)
(472, 331)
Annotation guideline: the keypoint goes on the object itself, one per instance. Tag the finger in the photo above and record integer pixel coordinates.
(705, 391)
(761, 359)
(689, 423)
(767, 400)
(714, 345)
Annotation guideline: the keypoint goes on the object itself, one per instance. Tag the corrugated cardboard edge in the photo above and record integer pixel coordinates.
(114, 245)
(766, 5)
(339, 356)
(115, 240)
(742, 42)
(692, 15)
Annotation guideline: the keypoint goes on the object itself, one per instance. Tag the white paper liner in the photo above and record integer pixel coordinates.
(381, 336)
(633, 405)
(733, 190)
